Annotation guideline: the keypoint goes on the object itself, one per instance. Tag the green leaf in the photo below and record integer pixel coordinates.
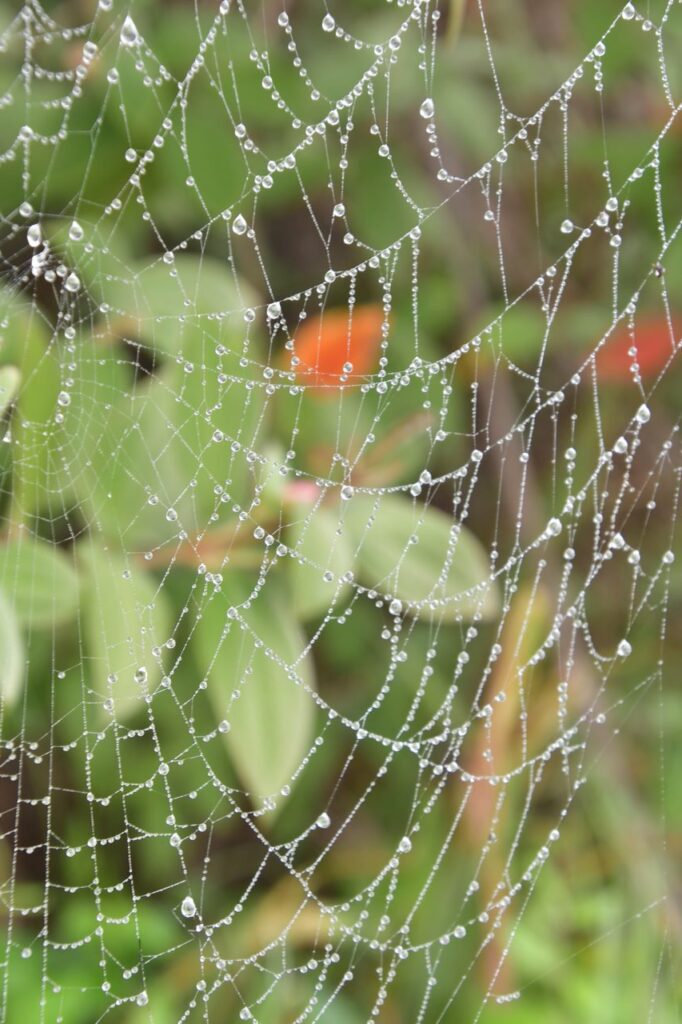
(171, 435)
(25, 349)
(10, 378)
(446, 564)
(12, 648)
(255, 666)
(124, 617)
(317, 549)
(42, 584)
(168, 304)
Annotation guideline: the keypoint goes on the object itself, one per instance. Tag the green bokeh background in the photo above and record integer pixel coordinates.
(599, 941)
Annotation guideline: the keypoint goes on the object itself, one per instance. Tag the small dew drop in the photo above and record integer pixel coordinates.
(405, 845)
(427, 109)
(324, 821)
(75, 231)
(624, 649)
(567, 226)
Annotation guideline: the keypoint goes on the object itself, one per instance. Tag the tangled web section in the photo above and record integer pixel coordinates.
(301, 556)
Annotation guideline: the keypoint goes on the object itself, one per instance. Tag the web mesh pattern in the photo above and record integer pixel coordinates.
(218, 493)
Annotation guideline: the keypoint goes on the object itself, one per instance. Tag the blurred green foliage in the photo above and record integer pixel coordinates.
(170, 421)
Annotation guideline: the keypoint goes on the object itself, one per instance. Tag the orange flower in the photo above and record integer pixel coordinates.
(651, 340)
(338, 344)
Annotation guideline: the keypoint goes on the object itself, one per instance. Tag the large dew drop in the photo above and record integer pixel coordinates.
(239, 225)
(129, 34)
(34, 236)
(188, 907)
(427, 108)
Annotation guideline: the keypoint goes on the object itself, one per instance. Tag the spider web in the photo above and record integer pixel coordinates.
(202, 541)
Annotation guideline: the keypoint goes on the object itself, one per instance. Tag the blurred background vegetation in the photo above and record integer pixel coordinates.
(105, 460)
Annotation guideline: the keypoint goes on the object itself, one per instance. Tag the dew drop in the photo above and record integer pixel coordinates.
(554, 527)
(239, 225)
(405, 845)
(75, 231)
(34, 236)
(328, 23)
(567, 226)
(427, 109)
(643, 414)
(188, 907)
(274, 311)
(63, 399)
(395, 607)
(72, 283)
(324, 821)
(624, 649)
(628, 12)
(129, 34)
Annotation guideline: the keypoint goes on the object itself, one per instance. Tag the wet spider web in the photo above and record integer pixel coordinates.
(167, 504)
